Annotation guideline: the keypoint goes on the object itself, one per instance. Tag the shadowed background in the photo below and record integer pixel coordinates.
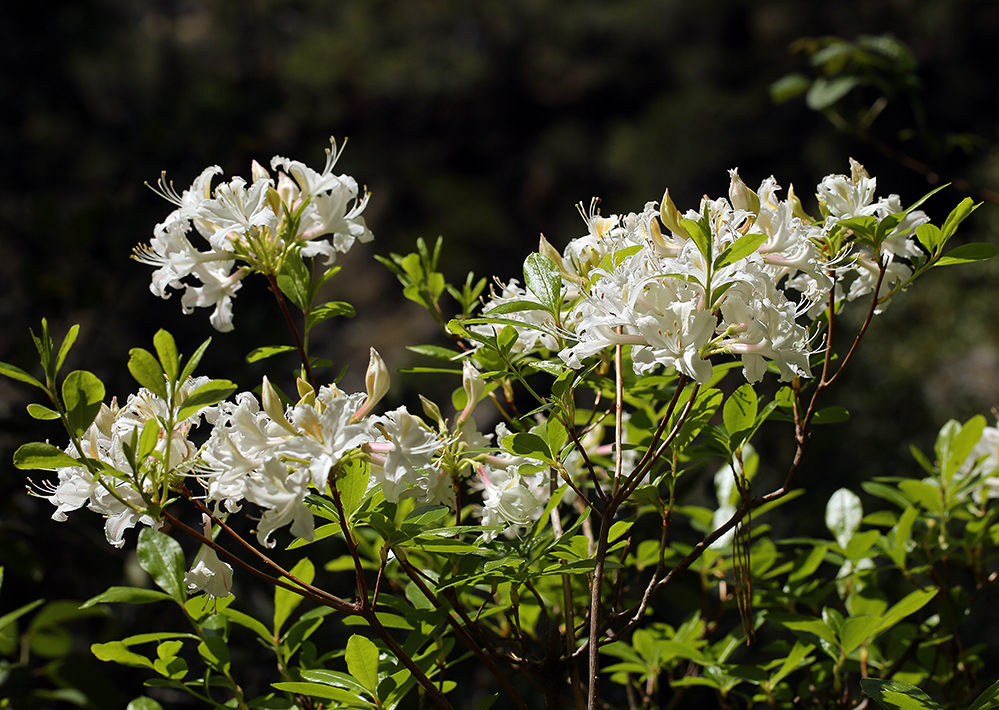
(481, 122)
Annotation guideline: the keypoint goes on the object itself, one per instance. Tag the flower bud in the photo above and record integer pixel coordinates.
(547, 250)
(432, 411)
(741, 197)
(376, 383)
(475, 389)
(259, 172)
(306, 393)
(797, 209)
(670, 216)
(273, 407)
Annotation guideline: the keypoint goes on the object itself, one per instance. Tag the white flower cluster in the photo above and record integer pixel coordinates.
(260, 452)
(256, 224)
(115, 492)
(678, 297)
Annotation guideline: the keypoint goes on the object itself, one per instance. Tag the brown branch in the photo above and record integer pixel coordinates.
(276, 290)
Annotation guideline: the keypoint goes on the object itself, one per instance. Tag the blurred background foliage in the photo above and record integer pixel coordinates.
(484, 122)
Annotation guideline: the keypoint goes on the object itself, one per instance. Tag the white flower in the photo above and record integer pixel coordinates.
(236, 210)
(406, 466)
(282, 494)
(507, 501)
(209, 575)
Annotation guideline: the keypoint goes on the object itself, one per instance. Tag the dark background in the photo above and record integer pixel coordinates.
(483, 122)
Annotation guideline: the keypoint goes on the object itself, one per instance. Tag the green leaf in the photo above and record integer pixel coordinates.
(805, 569)
(341, 680)
(353, 485)
(739, 249)
(144, 703)
(82, 394)
(12, 616)
(515, 307)
(543, 278)
(329, 310)
(699, 232)
(318, 690)
(831, 415)
(117, 652)
(923, 493)
(435, 351)
(238, 617)
(966, 253)
(988, 699)
(148, 439)
(160, 555)
(193, 362)
(67, 343)
(147, 371)
(740, 409)
(210, 393)
(17, 373)
(362, 661)
(956, 216)
(896, 695)
(295, 281)
(267, 351)
(128, 595)
(815, 627)
(788, 87)
(285, 600)
(909, 604)
(929, 236)
(856, 630)
(823, 93)
(38, 455)
(166, 350)
(38, 411)
(794, 659)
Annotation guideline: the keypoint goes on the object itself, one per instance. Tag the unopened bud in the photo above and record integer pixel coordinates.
(432, 411)
(670, 216)
(475, 389)
(797, 209)
(547, 250)
(259, 172)
(272, 405)
(306, 392)
(376, 384)
(741, 197)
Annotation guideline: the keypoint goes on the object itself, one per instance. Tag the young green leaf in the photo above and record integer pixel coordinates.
(82, 394)
(67, 343)
(166, 350)
(147, 371)
(957, 215)
(17, 373)
(329, 310)
(38, 455)
(193, 362)
(210, 393)
(966, 253)
(37, 411)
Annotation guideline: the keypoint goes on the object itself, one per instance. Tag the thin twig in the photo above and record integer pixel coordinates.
(276, 290)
